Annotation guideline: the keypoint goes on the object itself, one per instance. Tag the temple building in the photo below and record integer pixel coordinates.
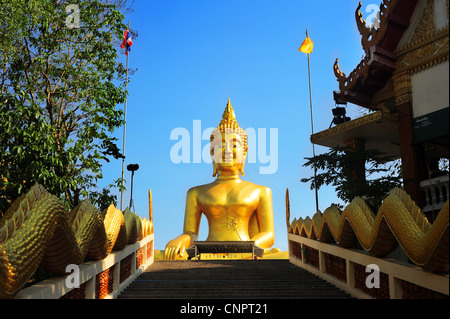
(403, 82)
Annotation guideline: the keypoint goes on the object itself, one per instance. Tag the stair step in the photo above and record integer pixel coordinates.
(229, 279)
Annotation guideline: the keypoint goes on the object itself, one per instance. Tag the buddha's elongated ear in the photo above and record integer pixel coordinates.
(215, 169)
(241, 169)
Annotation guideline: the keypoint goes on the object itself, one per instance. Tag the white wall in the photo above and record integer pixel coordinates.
(430, 89)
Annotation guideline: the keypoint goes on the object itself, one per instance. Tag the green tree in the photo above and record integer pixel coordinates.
(337, 168)
(60, 81)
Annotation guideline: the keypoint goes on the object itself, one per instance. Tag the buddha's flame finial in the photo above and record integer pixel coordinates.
(228, 118)
(228, 114)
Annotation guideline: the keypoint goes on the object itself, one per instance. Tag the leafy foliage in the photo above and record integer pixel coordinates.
(336, 168)
(59, 87)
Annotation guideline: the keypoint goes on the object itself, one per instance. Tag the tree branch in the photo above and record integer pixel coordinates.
(26, 71)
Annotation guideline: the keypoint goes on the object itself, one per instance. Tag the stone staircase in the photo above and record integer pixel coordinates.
(230, 279)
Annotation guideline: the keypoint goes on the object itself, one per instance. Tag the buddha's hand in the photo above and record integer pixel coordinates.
(176, 247)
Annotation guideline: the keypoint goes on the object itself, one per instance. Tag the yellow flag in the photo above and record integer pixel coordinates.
(307, 46)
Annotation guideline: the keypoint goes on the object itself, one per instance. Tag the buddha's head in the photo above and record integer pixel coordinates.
(228, 144)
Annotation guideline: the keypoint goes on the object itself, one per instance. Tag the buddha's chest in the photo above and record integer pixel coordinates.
(221, 199)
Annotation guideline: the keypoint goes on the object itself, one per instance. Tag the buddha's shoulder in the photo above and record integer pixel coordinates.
(200, 188)
(244, 184)
(256, 187)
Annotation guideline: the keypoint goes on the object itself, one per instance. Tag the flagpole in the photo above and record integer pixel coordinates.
(312, 128)
(124, 131)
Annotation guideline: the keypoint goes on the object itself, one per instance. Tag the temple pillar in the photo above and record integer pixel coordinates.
(409, 153)
(356, 171)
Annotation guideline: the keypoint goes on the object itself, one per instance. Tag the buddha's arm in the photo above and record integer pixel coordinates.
(192, 218)
(266, 237)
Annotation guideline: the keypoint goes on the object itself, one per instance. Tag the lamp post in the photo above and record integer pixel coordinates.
(132, 168)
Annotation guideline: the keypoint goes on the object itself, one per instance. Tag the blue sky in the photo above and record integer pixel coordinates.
(192, 56)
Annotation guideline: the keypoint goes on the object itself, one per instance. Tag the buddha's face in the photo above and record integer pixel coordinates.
(229, 154)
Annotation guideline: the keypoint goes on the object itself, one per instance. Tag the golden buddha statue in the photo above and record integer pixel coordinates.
(236, 210)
